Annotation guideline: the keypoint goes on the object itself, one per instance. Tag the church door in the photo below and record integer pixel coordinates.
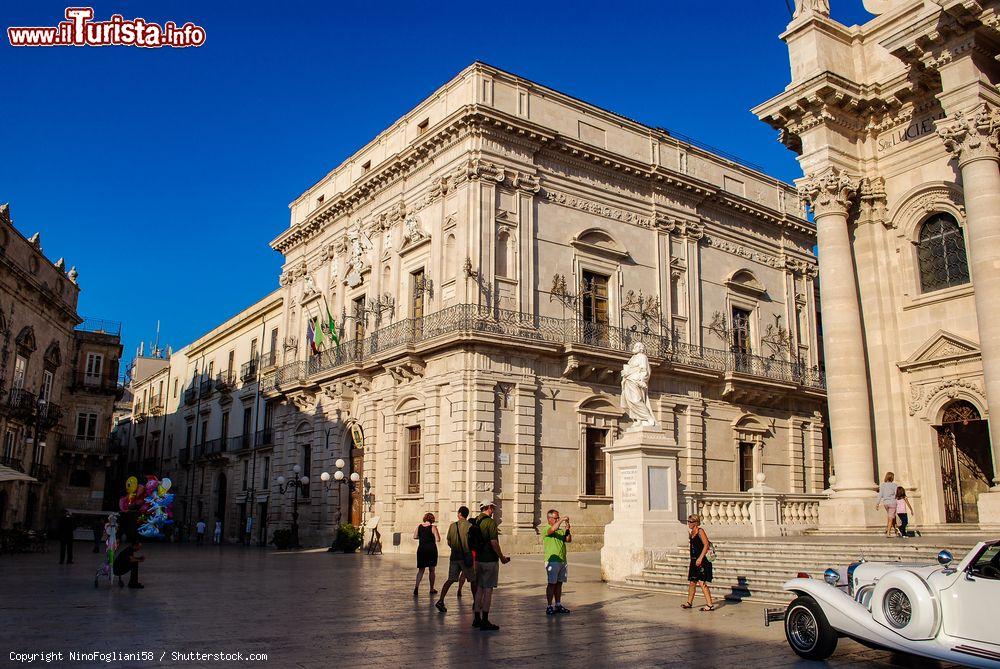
(966, 465)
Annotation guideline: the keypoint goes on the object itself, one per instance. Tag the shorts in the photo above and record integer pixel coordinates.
(557, 572)
(487, 574)
(457, 567)
(890, 511)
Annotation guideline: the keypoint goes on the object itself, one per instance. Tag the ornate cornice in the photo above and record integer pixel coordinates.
(830, 191)
(971, 135)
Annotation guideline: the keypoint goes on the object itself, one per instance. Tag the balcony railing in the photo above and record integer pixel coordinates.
(21, 403)
(12, 462)
(248, 371)
(226, 381)
(190, 396)
(269, 359)
(210, 447)
(41, 472)
(92, 445)
(205, 387)
(100, 326)
(516, 327)
(49, 414)
(244, 442)
(94, 383)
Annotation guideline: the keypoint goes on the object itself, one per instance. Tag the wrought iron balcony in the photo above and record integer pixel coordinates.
(91, 445)
(205, 387)
(226, 381)
(184, 455)
(248, 371)
(155, 406)
(269, 359)
(93, 383)
(41, 472)
(190, 396)
(12, 462)
(100, 326)
(210, 447)
(21, 404)
(520, 329)
(49, 414)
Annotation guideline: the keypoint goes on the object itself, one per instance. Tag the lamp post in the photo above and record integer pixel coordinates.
(339, 478)
(295, 484)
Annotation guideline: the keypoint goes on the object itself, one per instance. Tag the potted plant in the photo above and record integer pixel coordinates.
(349, 538)
(282, 539)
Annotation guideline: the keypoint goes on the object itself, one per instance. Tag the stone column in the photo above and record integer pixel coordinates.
(972, 138)
(829, 194)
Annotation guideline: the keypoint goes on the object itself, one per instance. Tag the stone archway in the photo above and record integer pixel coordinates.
(966, 462)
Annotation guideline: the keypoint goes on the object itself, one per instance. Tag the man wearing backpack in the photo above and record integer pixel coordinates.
(462, 562)
(489, 556)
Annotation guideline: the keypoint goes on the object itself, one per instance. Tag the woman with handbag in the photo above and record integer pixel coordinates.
(700, 568)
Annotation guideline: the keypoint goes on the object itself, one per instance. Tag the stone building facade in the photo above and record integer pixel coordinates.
(896, 127)
(488, 262)
(45, 382)
(198, 419)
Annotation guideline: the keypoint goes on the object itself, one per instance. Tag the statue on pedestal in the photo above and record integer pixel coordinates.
(635, 388)
(806, 7)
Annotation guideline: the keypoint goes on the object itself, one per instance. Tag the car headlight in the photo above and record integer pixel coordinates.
(831, 576)
(896, 606)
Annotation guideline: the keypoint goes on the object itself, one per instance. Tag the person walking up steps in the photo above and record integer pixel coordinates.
(902, 507)
(700, 567)
(557, 535)
(887, 499)
(489, 556)
(461, 565)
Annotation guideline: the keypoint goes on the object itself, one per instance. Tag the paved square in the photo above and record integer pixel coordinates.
(314, 609)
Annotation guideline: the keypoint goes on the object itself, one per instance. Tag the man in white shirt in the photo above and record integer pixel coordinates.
(200, 532)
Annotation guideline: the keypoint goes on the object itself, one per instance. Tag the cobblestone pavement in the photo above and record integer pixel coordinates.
(314, 609)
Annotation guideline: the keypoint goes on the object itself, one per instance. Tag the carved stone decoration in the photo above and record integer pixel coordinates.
(873, 202)
(412, 232)
(504, 391)
(922, 396)
(971, 135)
(358, 248)
(305, 401)
(830, 191)
(308, 286)
(73, 274)
(811, 8)
(291, 342)
(526, 183)
(334, 272)
(635, 388)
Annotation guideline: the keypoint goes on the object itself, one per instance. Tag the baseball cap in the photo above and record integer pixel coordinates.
(486, 503)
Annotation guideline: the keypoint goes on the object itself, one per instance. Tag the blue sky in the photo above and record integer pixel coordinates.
(163, 174)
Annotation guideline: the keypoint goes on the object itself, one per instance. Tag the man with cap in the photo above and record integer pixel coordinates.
(488, 560)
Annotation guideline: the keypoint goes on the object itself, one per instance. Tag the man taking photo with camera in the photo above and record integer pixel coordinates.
(557, 535)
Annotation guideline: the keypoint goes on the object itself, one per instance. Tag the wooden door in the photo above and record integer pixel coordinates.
(358, 491)
(949, 476)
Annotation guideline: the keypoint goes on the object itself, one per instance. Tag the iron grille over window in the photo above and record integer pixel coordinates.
(941, 254)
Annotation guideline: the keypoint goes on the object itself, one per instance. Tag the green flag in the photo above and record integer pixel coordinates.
(319, 334)
(332, 324)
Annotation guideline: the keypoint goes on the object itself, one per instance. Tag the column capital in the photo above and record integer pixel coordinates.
(829, 191)
(971, 135)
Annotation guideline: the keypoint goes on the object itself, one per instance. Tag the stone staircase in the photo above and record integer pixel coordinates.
(755, 569)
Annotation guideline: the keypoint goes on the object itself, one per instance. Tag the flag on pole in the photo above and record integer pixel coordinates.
(320, 338)
(311, 336)
(331, 324)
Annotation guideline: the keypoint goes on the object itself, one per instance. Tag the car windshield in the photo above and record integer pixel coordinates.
(987, 564)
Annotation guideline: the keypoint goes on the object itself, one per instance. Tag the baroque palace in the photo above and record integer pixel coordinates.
(487, 263)
(896, 125)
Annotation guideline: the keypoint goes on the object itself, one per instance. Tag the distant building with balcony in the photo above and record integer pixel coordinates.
(54, 367)
(198, 418)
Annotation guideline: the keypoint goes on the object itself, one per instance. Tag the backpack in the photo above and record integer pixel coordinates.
(475, 538)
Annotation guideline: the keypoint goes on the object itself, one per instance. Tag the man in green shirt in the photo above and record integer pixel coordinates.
(488, 559)
(460, 565)
(554, 541)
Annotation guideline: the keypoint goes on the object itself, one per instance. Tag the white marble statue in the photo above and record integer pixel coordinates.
(805, 7)
(635, 388)
(309, 286)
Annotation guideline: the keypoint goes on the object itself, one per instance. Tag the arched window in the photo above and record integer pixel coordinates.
(941, 254)
(503, 253)
(450, 262)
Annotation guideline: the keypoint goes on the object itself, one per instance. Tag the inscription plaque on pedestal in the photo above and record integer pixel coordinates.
(628, 483)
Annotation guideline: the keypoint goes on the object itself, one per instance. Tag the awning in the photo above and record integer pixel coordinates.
(8, 474)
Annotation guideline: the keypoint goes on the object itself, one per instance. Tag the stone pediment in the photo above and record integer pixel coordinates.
(942, 348)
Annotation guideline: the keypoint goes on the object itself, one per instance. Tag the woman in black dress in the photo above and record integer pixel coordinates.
(427, 550)
(700, 568)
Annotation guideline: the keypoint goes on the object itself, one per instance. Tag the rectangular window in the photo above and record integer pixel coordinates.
(423, 125)
(170, 446)
(746, 466)
(594, 292)
(413, 451)
(366, 166)
(266, 470)
(596, 465)
(274, 345)
(246, 473)
(247, 440)
(86, 426)
(229, 367)
(253, 349)
(20, 372)
(211, 369)
(94, 369)
(741, 332)
(224, 432)
(204, 431)
(8, 444)
(175, 387)
(359, 318)
(187, 436)
(306, 466)
(320, 199)
(46, 393)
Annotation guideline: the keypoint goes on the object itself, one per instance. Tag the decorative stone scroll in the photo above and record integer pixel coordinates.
(972, 135)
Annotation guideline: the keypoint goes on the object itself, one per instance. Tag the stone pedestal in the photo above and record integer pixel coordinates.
(851, 513)
(644, 480)
(989, 509)
(764, 511)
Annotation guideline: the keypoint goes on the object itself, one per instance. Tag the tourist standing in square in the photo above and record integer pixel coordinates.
(557, 535)
(217, 538)
(66, 527)
(200, 532)
(427, 551)
(461, 564)
(700, 567)
(488, 559)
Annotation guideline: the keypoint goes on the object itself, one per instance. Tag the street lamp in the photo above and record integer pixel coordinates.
(296, 483)
(339, 477)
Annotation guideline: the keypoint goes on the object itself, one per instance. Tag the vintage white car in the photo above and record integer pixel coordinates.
(936, 611)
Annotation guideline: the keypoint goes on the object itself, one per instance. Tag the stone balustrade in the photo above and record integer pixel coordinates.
(754, 513)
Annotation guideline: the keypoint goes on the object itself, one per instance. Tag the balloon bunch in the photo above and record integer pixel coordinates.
(152, 502)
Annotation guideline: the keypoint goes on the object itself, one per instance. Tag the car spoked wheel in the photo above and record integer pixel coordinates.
(897, 608)
(807, 630)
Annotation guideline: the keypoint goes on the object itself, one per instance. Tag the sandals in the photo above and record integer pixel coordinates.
(687, 605)
(707, 608)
